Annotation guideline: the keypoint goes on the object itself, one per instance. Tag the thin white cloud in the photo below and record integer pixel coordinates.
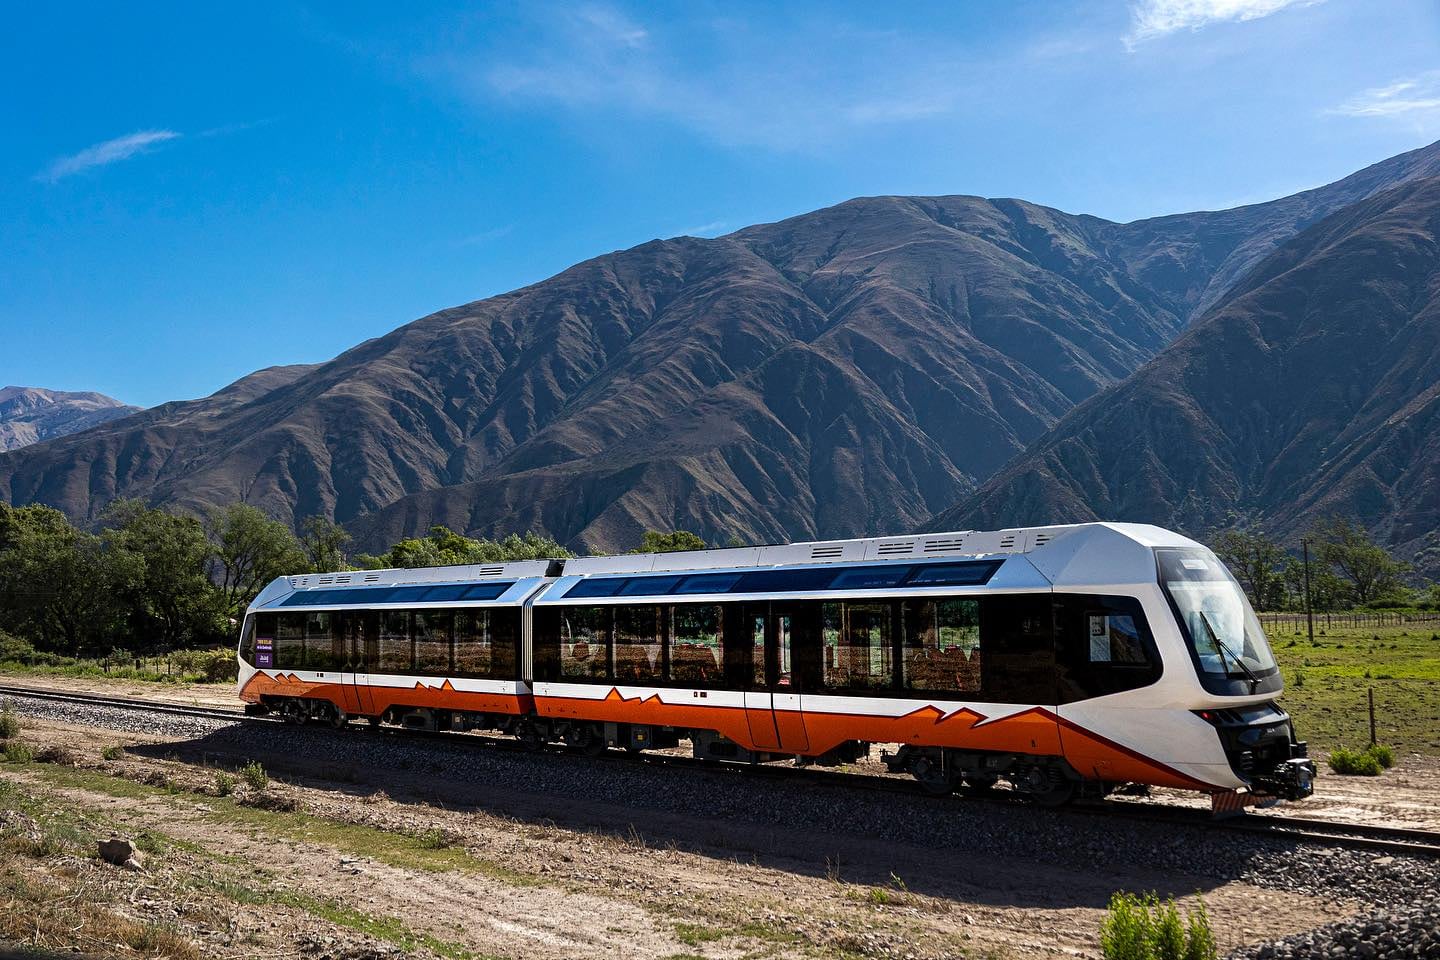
(702, 230)
(1156, 18)
(720, 78)
(1406, 99)
(103, 154)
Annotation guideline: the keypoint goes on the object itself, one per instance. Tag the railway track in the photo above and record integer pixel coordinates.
(1392, 840)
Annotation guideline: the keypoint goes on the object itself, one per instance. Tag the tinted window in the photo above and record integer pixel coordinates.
(781, 581)
(858, 653)
(942, 650)
(290, 641)
(649, 586)
(395, 656)
(1017, 638)
(584, 641)
(449, 591)
(247, 640)
(1103, 645)
(604, 587)
(474, 643)
(953, 574)
(696, 651)
(859, 578)
(431, 632)
(322, 648)
(638, 642)
(708, 583)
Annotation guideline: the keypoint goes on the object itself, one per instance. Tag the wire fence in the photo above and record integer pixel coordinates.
(1368, 618)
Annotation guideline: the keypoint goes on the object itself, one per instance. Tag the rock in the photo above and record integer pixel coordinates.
(122, 853)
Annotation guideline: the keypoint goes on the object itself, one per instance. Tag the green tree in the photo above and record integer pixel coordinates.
(1365, 565)
(175, 597)
(1258, 563)
(656, 541)
(324, 541)
(60, 587)
(1327, 591)
(250, 550)
(443, 547)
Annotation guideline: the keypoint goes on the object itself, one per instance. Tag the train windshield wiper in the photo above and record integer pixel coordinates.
(1226, 654)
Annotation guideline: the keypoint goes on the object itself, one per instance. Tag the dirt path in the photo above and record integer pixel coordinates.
(485, 885)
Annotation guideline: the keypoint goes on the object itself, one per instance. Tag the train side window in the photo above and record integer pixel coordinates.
(584, 643)
(473, 643)
(637, 644)
(504, 643)
(431, 629)
(290, 641)
(942, 649)
(858, 653)
(247, 640)
(319, 644)
(1017, 634)
(1103, 645)
(696, 647)
(756, 631)
(396, 655)
(549, 622)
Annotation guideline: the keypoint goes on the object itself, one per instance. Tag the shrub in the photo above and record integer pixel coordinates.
(17, 752)
(1299, 678)
(112, 752)
(9, 724)
(219, 666)
(1383, 755)
(255, 776)
(224, 783)
(56, 754)
(1354, 763)
(434, 839)
(1143, 928)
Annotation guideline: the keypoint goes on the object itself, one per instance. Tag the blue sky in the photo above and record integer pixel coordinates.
(189, 194)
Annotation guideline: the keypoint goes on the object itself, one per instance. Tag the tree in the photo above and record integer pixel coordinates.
(250, 550)
(656, 541)
(443, 547)
(323, 541)
(1368, 568)
(60, 588)
(174, 597)
(1258, 563)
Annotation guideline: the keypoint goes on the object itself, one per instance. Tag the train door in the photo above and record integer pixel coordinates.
(360, 631)
(759, 701)
(795, 638)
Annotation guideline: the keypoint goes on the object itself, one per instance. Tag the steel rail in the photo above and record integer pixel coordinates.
(1397, 840)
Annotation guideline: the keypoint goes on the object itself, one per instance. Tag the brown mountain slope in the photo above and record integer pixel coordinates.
(31, 414)
(1312, 388)
(845, 371)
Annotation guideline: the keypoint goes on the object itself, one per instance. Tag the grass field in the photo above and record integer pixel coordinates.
(1326, 684)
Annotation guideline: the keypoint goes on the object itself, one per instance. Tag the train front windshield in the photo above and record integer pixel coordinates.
(1222, 630)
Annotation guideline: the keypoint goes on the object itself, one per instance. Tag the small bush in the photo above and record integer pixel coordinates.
(1143, 928)
(112, 752)
(56, 754)
(1299, 678)
(17, 752)
(255, 776)
(9, 724)
(224, 784)
(1383, 755)
(1354, 763)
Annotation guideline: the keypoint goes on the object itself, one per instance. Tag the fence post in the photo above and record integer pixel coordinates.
(1371, 692)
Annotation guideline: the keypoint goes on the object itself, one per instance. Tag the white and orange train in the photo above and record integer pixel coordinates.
(1060, 659)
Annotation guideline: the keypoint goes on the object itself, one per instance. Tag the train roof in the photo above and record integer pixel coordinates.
(1063, 555)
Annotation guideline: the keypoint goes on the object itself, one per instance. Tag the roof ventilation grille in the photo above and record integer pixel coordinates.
(325, 580)
(1041, 539)
(1007, 542)
(895, 547)
(372, 578)
(491, 571)
(944, 546)
(827, 553)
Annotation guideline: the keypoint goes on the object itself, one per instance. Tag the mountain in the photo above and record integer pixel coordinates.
(846, 371)
(31, 414)
(1311, 388)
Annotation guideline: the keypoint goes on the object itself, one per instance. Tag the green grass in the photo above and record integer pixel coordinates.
(1402, 664)
(93, 669)
(407, 851)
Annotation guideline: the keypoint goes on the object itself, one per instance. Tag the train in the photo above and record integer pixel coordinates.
(1066, 661)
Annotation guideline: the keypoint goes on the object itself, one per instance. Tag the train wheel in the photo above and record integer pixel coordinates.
(1058, 795)
(339, 720)
(374, 722)
(932, 776)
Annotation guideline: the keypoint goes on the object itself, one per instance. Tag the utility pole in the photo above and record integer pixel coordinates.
(1309, 612)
